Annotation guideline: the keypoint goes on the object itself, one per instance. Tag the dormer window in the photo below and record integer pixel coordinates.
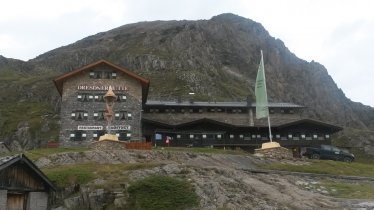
(92, 74)
(103, 74)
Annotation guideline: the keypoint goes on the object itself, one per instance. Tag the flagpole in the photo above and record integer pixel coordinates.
(270, 136)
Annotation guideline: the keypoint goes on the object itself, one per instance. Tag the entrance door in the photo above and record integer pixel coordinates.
(16, 201)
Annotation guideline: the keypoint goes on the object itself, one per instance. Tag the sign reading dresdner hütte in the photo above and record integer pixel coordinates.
(102, 87)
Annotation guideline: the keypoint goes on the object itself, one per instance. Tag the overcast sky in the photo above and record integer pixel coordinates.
(339, 34)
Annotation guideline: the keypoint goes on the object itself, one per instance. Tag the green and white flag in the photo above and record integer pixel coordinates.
(262, 109)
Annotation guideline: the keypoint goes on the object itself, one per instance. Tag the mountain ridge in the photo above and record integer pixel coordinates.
(217, 59)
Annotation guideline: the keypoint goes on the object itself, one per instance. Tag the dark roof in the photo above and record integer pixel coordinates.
(10, 160)
(59, 81)
(275, 123)
(238, 104)
(311, 121)
(205, 120)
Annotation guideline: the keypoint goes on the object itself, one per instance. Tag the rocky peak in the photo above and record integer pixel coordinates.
(217, 59)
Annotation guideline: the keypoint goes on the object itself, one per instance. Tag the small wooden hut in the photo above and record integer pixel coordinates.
(23, 186)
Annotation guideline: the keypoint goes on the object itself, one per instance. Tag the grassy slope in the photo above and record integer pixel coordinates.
(336, 188)
(23, 101)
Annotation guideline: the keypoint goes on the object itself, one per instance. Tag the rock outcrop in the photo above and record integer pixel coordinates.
(217, 59)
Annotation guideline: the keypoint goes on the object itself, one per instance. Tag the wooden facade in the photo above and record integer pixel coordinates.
(22, 184)
(231, 124)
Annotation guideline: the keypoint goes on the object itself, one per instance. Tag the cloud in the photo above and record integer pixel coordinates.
(349, 59)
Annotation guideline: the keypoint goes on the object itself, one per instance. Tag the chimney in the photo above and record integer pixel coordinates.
(249, 101)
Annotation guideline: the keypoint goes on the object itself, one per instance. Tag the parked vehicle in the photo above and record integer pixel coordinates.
(329, 152)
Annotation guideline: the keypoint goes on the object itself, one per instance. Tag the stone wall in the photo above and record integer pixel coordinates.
(275, 153)
(3, 199)
(107, 145)
(70, 103)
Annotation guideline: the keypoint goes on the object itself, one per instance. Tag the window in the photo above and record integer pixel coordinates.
(124, 135)
(247, 137)
(121, 98)
(97, 133)
(99, 98)
(178, 136)
(277, 136)
(83, 97)
(129, 116)
(191, 136)
(289, 136)
(79, 115)
(78, 135)
(95, 74)
(219, 136)
(326, 147)
(103, 75)
(335, 149)
(315, 136)
(303, 136)
(241, 136)
(99, 115)
(231, 136)
(114, 75)
(327, 136)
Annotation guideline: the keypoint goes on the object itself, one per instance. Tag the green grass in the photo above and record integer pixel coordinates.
(161, 192)
(202, 150)
(64, 176)
(327, 167)
(27, 103)
(350, 190)
(43, 152)
(112, 174)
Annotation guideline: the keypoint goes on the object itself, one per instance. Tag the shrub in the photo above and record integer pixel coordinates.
(161, 192)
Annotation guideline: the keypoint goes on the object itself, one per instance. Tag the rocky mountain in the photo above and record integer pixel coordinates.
(217, 59)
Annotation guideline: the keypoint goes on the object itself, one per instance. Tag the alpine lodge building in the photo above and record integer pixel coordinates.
(174, 123)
